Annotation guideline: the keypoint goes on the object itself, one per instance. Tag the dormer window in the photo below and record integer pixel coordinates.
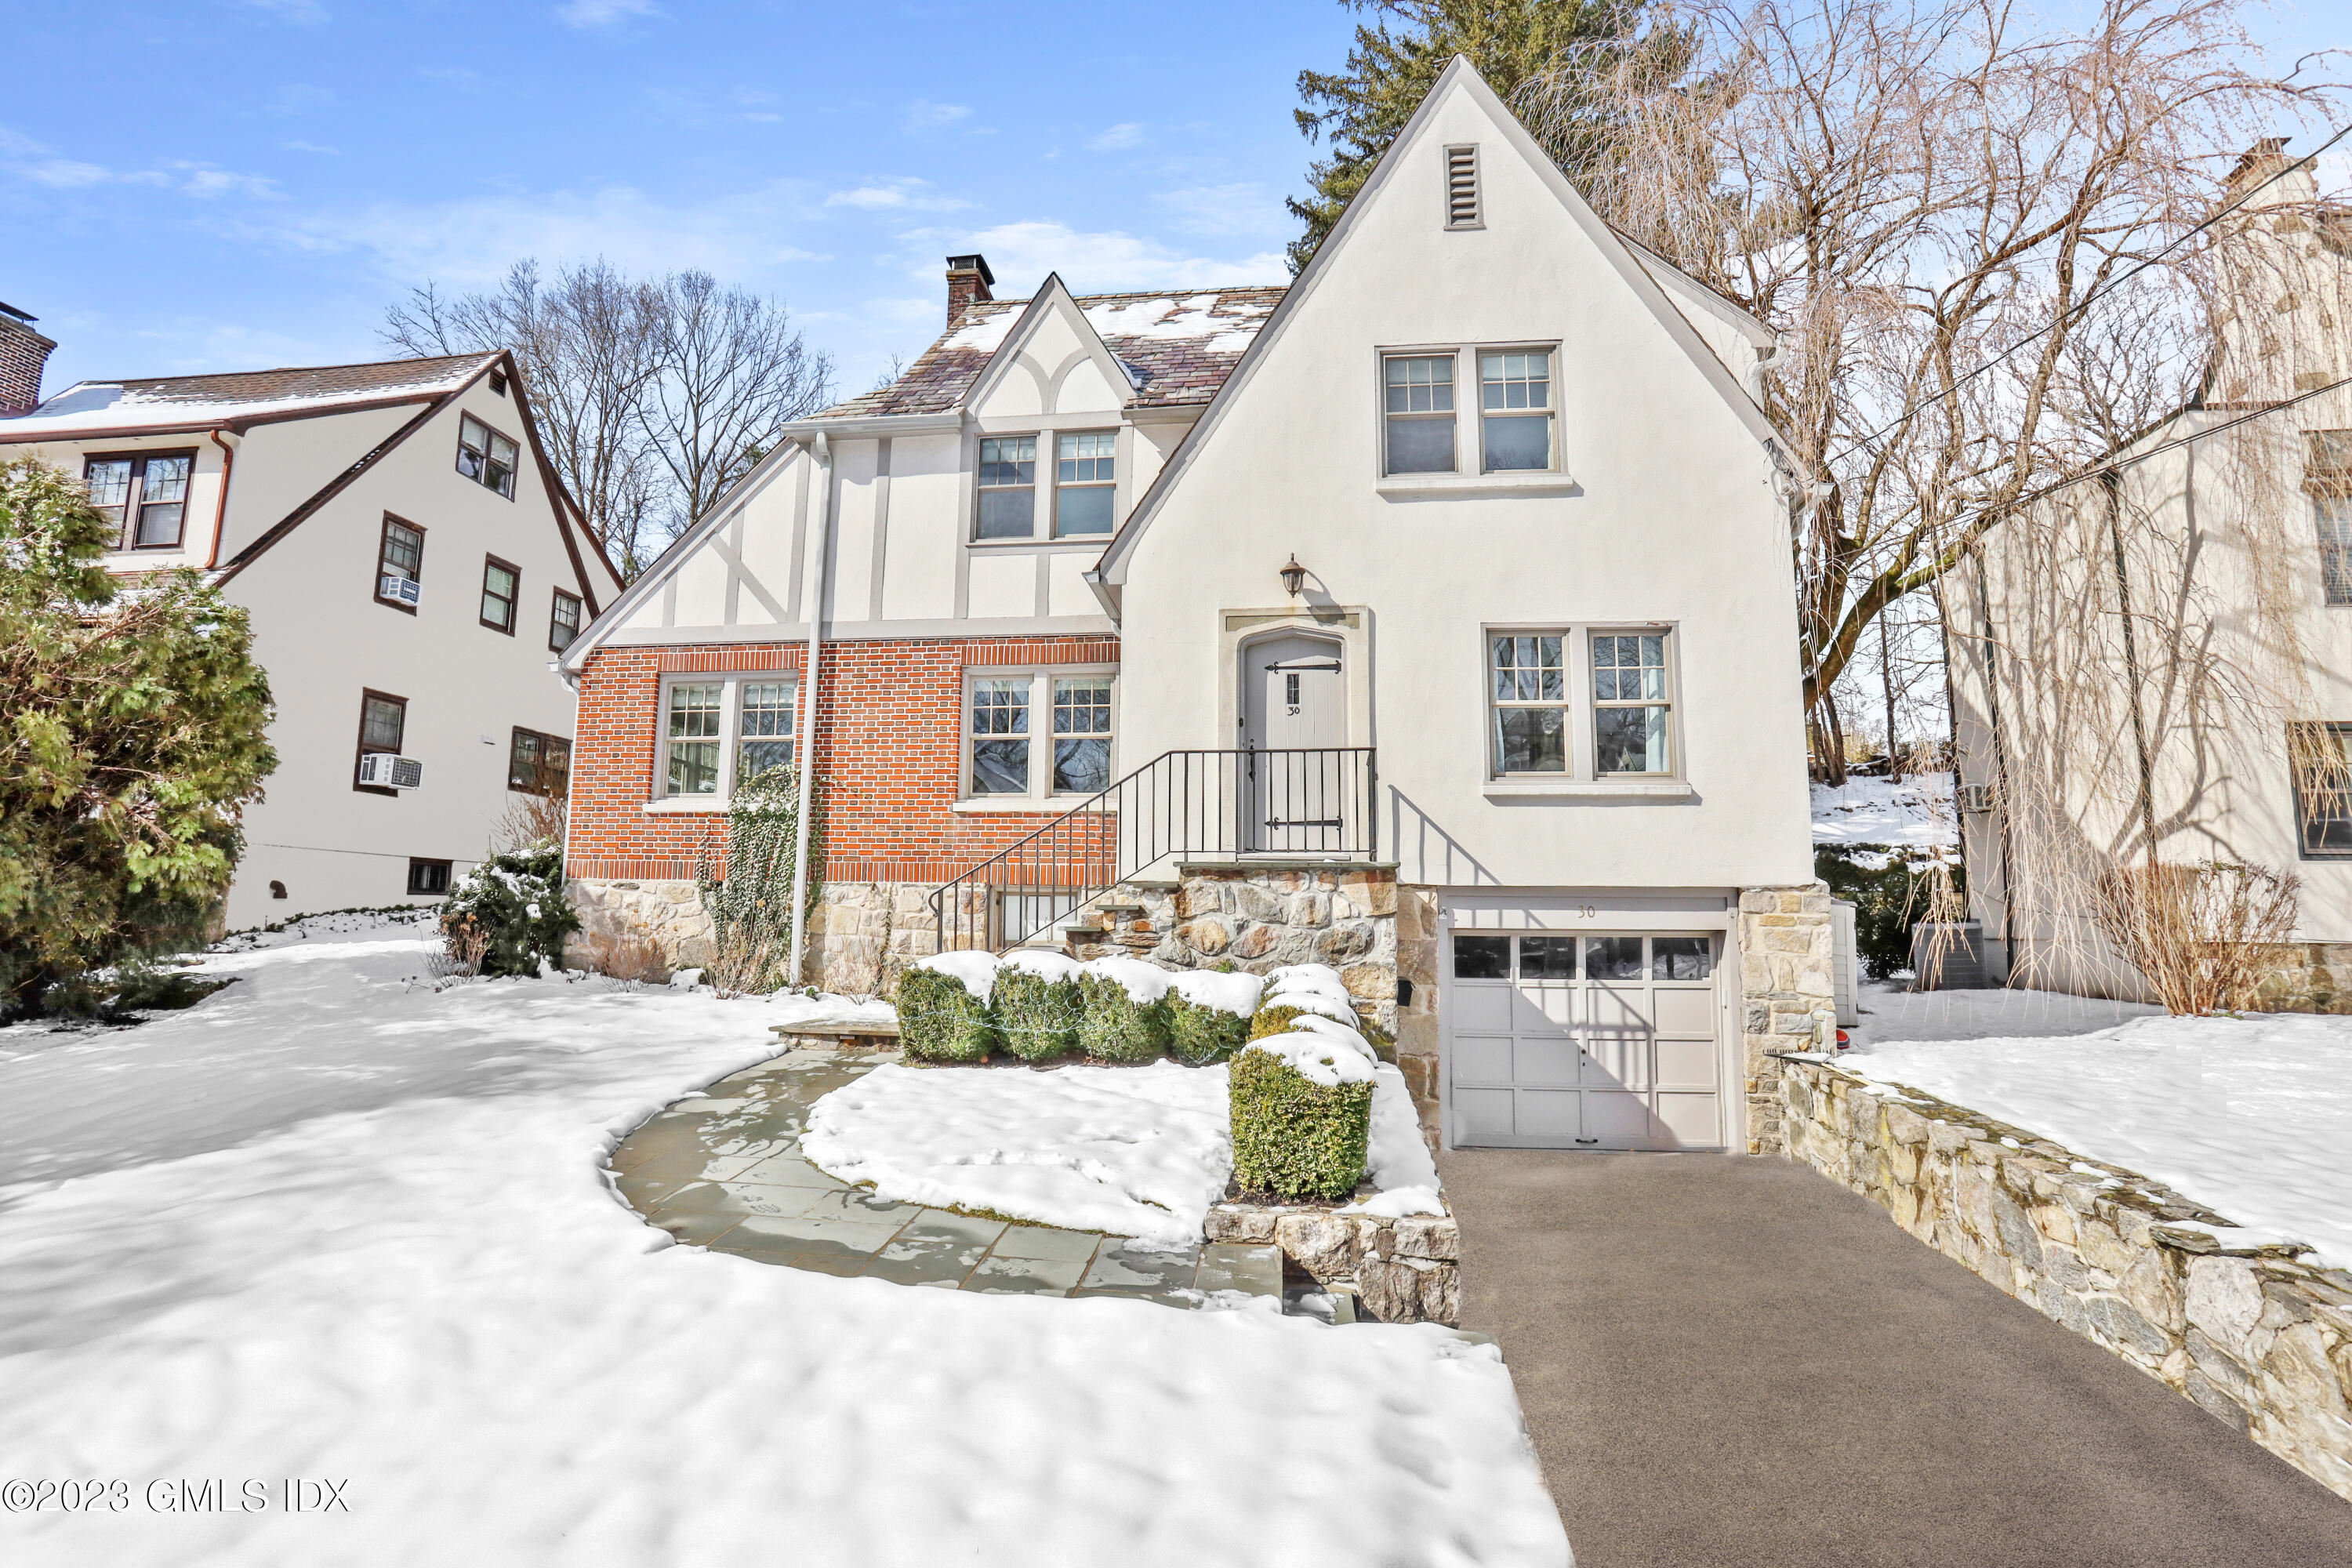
(1084, 482)
(145, 496)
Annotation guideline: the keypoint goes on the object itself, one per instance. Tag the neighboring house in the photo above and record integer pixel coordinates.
(1433, 618)
(2156, 663)
(412, 568)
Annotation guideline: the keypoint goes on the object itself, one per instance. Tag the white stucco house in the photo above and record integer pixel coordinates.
(412, 568)
(1432, 615)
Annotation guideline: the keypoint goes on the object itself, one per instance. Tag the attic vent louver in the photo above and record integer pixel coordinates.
(1462, 205)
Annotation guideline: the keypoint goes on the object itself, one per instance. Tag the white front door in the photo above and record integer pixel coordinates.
(1602, 1041)
(1299, 795)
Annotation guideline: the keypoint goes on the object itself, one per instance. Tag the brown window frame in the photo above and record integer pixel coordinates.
(539, 767)
(127, 532)
(483, 479)
(579, 621)
(368, 693)
(383, 541)
(514, 605)
(423, 862)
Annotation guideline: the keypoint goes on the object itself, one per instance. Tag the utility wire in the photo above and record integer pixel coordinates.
(2100, 293)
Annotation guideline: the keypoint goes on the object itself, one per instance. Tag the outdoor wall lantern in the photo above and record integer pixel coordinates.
(1293, 576)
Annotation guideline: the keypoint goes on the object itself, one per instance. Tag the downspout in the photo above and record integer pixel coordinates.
(821, 449)
(2112, 484)
(1999, 763)
(220, 512)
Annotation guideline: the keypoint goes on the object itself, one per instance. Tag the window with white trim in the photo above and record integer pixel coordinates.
(1518, 412)
(2327, 475)
(1007, 713)
(1581, 703)
(1515, 410)
(1418, 419)
(1008, 488)
(1085, 489)
(719, 731)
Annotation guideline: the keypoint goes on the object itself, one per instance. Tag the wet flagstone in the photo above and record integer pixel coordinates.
(723, 1170)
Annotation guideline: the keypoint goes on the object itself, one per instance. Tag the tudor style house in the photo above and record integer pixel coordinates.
(2155, 664)
(413, 569)
(1432, 616)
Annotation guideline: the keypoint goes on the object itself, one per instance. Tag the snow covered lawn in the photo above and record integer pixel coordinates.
(2251, 1117)
(331, 1224)
(1917, 812)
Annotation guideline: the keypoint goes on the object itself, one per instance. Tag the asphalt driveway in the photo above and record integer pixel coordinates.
(1736, 1362)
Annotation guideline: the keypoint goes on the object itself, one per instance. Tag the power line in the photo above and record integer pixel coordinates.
(2101, 293)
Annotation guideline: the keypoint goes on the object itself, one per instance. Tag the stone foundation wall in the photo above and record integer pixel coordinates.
(2308, 977)
(1787, 994)
(2254, 1337)
(859, 936)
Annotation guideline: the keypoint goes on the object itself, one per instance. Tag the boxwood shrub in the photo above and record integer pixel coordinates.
(1293, 1137)
(940, 1021)
(1202, 1035)
(1114, 1026)
(1273, 1018)
(1037, 1015)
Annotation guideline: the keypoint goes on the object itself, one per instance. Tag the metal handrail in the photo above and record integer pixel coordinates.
(1309, 801)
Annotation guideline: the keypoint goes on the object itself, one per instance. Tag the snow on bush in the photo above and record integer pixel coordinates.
(329, 1223)
(1300, 1107)
(943, 1013)
(1139, 1151)
(1037, 1005)
(1126, 1010)
(513, 907)
(1209, 1013)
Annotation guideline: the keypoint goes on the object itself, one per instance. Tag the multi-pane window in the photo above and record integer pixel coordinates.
(2335, 518)
(720, 732)
(1084, 475)
(563, 621)
(2320, 763)
(1482, 957)
(1000, 736)
(1515, 410)
(144, 496)
(501, 588)
(1529, 691)
(1081, 733)
(400, 564)
(694, 737)
(1419, 414)
(764, 728)
(1008, 487)
(1006, 710)
(383, 724)
(428, 879)
(538, 764)
(1631, 710)
(486, 456)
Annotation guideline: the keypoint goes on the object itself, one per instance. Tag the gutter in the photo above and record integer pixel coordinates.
(821, 449)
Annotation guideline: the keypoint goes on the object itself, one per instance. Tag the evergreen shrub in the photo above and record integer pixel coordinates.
(1115, 1025)
(512, 906)
(940, 1021)
(1293, 1137)
(1273, 1018)
(1039, 1010)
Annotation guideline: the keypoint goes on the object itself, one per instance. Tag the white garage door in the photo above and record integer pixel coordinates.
(1602, 1041)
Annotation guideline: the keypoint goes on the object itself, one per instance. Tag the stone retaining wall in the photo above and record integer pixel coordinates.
(1402, 1270)
(2254, 1337)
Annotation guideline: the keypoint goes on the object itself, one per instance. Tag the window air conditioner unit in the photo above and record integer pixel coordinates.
(399, 589)
(386, 770)
(1977, 797)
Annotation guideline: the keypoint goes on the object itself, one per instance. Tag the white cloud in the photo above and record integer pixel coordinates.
(604, 13)
(204, 180)
(309, 147)
(924, 115)
(1242, 208)
(1123, 135)
(30, 160)
(470, 242)
(1021, 254)
(896, 195)
(308, 13)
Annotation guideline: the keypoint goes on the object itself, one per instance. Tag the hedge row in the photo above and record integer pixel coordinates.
(1042, 1007)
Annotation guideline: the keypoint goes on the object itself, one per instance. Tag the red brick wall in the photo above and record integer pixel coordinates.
(889, 719)
(23, 352)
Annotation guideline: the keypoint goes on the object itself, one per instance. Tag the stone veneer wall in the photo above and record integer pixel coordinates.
(1404, 1270)
(1787, 997)
(2254, 1337)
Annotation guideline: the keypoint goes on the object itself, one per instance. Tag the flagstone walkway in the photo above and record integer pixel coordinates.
(724, 1170)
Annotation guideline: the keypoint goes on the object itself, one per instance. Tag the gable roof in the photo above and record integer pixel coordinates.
(1052, 299)
(238, 397)
(1178, 346)
(1460, 76)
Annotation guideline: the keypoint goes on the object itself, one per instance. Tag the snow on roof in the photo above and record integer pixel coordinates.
(1178, 346)
(183, 401)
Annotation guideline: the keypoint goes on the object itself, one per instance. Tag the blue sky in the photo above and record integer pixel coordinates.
(222, 184)
(219, 185)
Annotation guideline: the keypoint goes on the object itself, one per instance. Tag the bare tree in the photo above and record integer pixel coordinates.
(652, 396)
(1926, 197)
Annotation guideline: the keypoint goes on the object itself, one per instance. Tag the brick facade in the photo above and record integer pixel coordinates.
(890, 730)
(24, 353)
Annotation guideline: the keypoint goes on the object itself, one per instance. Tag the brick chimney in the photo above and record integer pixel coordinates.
(23, 354)
(969, 280)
